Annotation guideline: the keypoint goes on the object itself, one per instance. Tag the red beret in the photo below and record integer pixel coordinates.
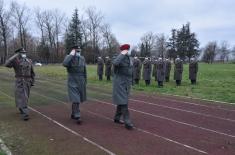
(125, 47)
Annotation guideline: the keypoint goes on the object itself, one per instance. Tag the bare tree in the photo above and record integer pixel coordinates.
(59, 20)
(148, 43)
(39, 20)
(210, 52)
(4, 28)
(21, 16)
(161, 45)
(233, 52)
(224, 51)
(94, 22)
(110, 42)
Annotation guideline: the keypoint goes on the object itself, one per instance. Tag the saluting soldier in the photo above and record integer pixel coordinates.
(168, 69)
(77, 79)
(122, 81)
(136, 70)
(193, 69)
(24, 74)
(160, 72)
(178, 70)
(147, 68)
(100, 68)
(108, 68)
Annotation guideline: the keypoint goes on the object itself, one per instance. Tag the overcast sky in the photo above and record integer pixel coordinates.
(130, 19)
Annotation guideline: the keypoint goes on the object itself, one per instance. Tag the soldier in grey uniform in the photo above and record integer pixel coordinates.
(154, 73)
(24, 74)
(168, 70)
(193, 69)
(77, 79)
(123, 70)
(100, 68)
(108, 68)
(178, 70)
(160, 72)
(136, 70)
(147, 68)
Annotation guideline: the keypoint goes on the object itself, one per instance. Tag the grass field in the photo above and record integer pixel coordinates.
(215, 81)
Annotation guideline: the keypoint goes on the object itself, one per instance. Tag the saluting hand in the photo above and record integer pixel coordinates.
(72, 52)
(124, 52)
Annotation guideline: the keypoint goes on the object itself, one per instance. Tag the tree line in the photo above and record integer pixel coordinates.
(49, 34)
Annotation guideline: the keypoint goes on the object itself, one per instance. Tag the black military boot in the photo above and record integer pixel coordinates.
(126, 117)
(24, 113)
(118, 115)
(76, 112)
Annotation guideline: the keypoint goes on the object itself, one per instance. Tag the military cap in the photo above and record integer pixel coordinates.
(125, 47)
(20, 50)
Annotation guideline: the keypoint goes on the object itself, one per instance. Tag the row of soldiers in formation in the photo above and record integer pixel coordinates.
(160, 71)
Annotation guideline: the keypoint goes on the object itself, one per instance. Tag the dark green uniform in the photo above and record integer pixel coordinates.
(154, 73)
(24, 74)
(122, 80)
(77, 79)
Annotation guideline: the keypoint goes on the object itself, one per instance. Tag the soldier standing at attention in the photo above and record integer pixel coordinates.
(77, 79)
(136, 70)
(24, 74)
(147, 67)
(168, 69)
(154, 73)
(193, 69)
(108, 68)
(100, 68)
(160, 72)
(178, 70)
(122, 81)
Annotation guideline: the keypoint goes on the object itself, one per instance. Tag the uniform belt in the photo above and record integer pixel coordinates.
(21, 76)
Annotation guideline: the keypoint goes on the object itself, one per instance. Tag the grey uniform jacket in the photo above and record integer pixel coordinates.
(178, 70)
(168, 68)
(108, 67)
(136, 69)
(24, 74)
(77, 78)
(147, 68)
(100, 67)
(123, 68)
(160, 71)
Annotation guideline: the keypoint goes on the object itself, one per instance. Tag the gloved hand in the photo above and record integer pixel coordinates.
(73, 52)
(124, 52)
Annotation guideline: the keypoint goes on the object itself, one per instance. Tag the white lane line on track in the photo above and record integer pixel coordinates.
(155, 135)
(165, 118)
(177, 109)
(66, 128)
(172, 120)
(186, 102)
(144, 131)
(4, 148)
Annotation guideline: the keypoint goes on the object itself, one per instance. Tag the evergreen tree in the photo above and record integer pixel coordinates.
(171, 45)
(73, 34)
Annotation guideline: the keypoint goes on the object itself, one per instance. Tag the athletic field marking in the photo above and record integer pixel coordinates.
(153, 134)
(178, 109)
(4, 148)
(186, 102)
(172, 120)
(66, 128)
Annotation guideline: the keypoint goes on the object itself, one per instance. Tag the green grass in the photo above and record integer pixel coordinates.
(215, 81)
(2, 153)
